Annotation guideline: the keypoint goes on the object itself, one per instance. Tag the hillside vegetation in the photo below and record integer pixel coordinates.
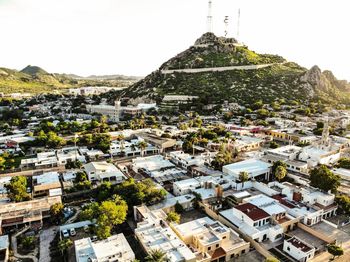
(281, 80)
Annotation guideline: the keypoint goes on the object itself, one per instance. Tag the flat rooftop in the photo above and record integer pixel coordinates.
(250, 166)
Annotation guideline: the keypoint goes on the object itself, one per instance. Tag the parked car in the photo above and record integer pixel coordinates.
(72, 232)
(65, 233)
(94, 238)
(86, 228)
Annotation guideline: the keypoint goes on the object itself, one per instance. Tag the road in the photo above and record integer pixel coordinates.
(217, 69)
(46, 237)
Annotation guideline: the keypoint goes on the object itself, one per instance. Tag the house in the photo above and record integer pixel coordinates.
(130, 148)
(185, 160)
(103, 172)
(211, 240)
(27, 212)
(153, 232)
(256, 169)
(4, 248)
(298, 249)
(47, 184)
(114, 248)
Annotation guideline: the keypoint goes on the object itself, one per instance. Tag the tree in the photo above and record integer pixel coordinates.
(156, 255)
(322, 178)
(335, 250)
(28, 242)
(280, 172)
(142, 145)
(344, 203)
(197, 199)
(82, 181)
(64, 244)
(344, 163)
(173, 217)
(243, 177)
(56, 212)
(273, 145)
(178, 208)
(271, 259)
(17, 189)
(277, 164)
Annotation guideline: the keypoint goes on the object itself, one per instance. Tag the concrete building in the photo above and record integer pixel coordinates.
(4, 248)
(210, 240)
(256, 169)
(103, 172)
(114, 248)
(298, 249)
(47, 184)
(185, 160)
(153, 232)
(27, 212)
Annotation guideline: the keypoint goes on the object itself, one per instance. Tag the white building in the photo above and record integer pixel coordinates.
(103, 171)
(210, 240)
(111, 111)
(256, 169)
(130, 148)
(114, 248)
(185, 160)
(298, 249)
(153, 232)
(47, 184)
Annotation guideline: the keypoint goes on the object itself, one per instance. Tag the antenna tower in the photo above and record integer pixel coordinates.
(226, 25)
(238, 22)
(210, 18)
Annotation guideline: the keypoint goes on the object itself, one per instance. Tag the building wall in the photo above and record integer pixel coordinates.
(297, 253)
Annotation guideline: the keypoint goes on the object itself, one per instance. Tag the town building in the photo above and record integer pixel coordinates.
(256, 169)
(114, 248)
(298, 249)
(185, 160)
(103, 172)
(27, 212)
(153, 232)
(47, 184)
(211, 240)
(4, 248)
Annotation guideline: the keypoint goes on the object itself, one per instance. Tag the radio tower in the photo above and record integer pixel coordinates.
(238, 22)
(209, 19)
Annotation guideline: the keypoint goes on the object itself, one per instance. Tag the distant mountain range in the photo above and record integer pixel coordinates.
(218, 69)
(33, 79)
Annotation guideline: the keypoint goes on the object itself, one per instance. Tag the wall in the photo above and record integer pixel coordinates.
(317, 234)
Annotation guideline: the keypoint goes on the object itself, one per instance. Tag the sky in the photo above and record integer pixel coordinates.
(134, 37)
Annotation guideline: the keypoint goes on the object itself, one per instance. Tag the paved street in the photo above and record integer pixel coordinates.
(46, 237)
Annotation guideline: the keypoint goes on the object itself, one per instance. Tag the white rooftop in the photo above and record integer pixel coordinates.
(252, 166)
(47, 178)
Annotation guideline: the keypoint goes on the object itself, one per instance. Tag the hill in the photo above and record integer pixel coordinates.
(33, 79)
(218, 69)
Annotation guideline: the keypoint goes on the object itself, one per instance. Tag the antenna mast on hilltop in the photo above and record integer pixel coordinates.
(238, 22)
(226, 25)
(209, 18)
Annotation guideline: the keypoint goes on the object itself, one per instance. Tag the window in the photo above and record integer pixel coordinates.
(217, 245)
(224, 237)
(209, 248)
(288, 248)
(243, 251)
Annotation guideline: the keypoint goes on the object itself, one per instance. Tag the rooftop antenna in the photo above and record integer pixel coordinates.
(238, 22)
(226, 25)
(210, 18)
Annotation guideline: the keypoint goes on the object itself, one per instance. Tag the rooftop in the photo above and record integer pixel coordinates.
(299, 244)
(253, 212)
(251, 166)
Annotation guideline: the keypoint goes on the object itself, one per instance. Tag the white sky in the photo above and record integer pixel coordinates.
(134, 37)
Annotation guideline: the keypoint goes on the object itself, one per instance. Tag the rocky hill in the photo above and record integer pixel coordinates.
(240, 79)
(33, 79)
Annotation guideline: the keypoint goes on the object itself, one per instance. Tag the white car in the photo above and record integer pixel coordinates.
(72, 232)
(65, 233)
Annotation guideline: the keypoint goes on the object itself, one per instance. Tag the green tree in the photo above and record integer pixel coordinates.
(178, 208)
(142, 145)
(28, 242)
(280, 172)
(156, 255)
(64, 244)
(276, 165)
(344, 163)
(335, 250)
(82, 181)
(56, 212)
(271, 259)
(243, 177)
(173, 217)
(17, 189)
(273, 145)
(343, 203)
(322, 178)
(197, 199)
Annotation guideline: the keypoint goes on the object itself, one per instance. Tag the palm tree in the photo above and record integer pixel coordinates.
(157, 255)
(243, 177)
(280, 173)
(142, 145)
